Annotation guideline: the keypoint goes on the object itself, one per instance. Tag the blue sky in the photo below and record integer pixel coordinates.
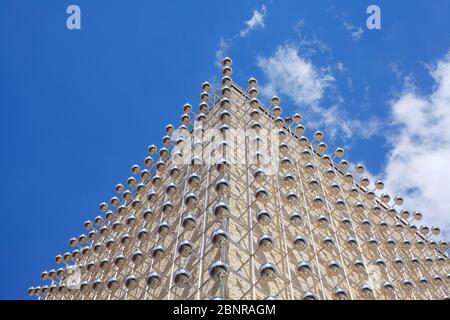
(78, 108)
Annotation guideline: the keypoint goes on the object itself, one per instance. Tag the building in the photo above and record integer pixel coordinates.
(238, 204)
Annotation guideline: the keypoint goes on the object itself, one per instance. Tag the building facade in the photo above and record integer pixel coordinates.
(238, 204)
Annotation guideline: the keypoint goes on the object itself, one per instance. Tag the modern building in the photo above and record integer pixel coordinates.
(237, 204)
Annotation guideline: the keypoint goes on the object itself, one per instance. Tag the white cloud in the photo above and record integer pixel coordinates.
(355, 32)
(222, 50)
(356, 35)
(290, 74)
(257, 20)
(396, 70)
(309, 44)
(418, 165)
(294, 76)
(340, 66)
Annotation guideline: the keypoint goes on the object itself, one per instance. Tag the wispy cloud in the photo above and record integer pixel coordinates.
(290, 74)
(308, 43)
(222, 49)
(256, 21)
(418, 164)
(355, 32)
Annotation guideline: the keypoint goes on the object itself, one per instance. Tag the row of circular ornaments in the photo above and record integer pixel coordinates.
(218, 268)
